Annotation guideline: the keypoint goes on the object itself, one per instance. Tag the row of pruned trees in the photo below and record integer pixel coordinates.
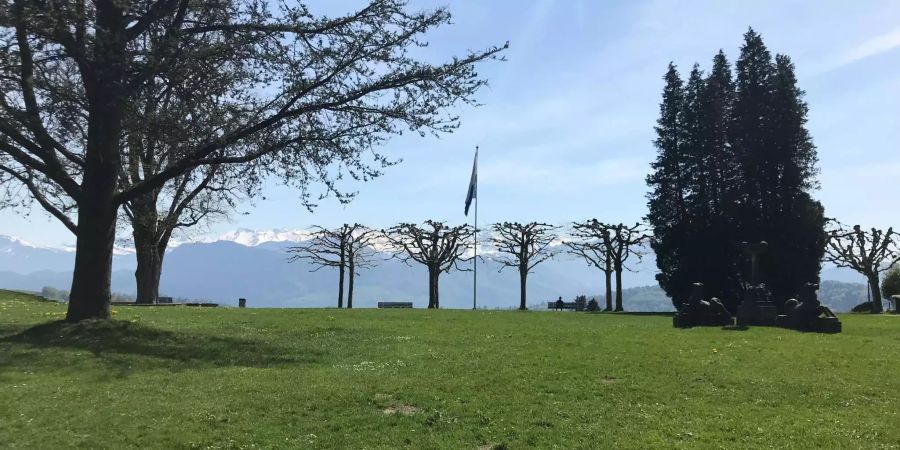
(441, 248)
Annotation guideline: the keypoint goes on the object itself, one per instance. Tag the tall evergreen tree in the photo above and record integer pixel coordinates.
(798, 226)
(717, 169)
(777, 163)
(735, 163)
(668, 189)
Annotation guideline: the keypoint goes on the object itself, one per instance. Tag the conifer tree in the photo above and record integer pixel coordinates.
(716, 166)
(776, 170)
(735, 163)
(666, 200)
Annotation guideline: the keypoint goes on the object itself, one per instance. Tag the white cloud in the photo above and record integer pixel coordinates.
(874, 46)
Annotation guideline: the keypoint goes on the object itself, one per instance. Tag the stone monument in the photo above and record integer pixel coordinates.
(756, 307)
(699, 312)
(807, 314)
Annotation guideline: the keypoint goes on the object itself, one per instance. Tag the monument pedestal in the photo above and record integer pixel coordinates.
(830, 325)
(758, 314)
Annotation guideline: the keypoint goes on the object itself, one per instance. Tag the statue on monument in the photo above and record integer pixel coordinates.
(756, 307)
(699, 312)
(808, 314)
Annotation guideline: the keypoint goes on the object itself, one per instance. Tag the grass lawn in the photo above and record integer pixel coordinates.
(280, 378)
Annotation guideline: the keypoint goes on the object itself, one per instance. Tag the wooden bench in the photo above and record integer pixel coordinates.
(395, 304)
(565, 305)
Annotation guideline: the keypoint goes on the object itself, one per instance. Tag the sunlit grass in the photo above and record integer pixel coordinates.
(273, 378)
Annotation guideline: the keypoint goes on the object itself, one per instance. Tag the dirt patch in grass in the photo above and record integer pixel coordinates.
(609, 380)
(403, 410)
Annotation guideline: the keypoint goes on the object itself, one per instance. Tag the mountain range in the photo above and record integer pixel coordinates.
(253, 265)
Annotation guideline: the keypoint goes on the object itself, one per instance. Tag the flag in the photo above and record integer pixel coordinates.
(473, 184)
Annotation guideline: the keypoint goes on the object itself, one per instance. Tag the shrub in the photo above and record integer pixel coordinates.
(891, 283)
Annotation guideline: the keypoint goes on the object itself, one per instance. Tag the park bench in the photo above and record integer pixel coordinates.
(563, 305)
(395, 304)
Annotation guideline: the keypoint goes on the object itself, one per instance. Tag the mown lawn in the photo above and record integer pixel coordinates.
(278, 378)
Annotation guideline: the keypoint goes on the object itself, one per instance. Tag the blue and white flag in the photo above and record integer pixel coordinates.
(473, 183)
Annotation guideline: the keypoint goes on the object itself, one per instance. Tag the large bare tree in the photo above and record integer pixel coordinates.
(592, 241)
(347, 248)
(868, 252)
(523, 246)
(312, 99)
(200, 196)
(175, 111)
(437, 246)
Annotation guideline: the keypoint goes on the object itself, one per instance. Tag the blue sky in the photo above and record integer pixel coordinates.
(566, 125)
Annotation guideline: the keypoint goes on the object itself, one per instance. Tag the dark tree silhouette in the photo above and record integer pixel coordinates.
(313, 98)
(868, 252)
(735, 163)
(435, 245)
(523, 246)
(592, 241)
(174, 112)
(776, 162)
(668, 215)
(347, 248)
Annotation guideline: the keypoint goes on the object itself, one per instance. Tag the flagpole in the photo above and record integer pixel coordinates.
(475, 261)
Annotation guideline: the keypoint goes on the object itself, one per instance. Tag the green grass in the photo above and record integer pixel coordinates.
(278, 378)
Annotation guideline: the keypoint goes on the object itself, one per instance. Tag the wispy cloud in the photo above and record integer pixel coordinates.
(874, 46)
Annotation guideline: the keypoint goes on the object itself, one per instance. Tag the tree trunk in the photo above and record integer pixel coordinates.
(90, 294)
(149, 264)
(608, 275)
(437, 291)
(350, 285)
(149, 269)
(523, 276)
(341, 285)
(97, 210)
(619, 289)
(875, 287)
(430, 288)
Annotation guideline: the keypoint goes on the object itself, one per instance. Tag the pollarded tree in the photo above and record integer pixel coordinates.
(868, 252)
(313, 97)
(437, 246)
(523, 246)
(361, 254)
(347, 248)
(591, 240)
(626, 242)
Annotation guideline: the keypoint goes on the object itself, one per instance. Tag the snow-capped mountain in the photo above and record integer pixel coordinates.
(253, 238)
(23, 257)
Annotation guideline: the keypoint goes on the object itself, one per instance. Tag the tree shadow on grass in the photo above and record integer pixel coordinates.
(129, 346)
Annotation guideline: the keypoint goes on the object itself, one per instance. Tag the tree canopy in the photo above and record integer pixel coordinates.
(735, 163)
(304, 98)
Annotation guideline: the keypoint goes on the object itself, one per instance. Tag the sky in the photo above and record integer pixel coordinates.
(565, 127)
